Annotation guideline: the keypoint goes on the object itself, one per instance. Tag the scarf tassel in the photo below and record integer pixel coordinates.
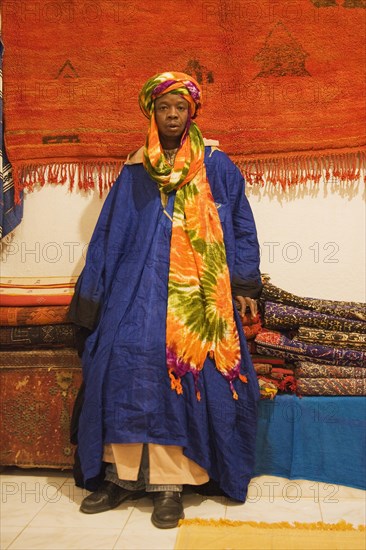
(243, 379)
(175, 383)
(235, 395)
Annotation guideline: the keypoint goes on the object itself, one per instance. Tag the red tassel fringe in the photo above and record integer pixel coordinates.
(84, 175)
(345, 167)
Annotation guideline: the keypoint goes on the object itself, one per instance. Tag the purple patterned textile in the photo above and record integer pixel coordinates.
(347, 310)
(350, 340)
(275, 343)
(280, 316)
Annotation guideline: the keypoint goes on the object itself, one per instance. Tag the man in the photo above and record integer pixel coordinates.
(170, 391)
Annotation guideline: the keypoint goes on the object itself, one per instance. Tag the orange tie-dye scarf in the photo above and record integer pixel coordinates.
(200, 317)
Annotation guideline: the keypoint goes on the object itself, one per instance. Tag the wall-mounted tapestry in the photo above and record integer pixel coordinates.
(283, 84)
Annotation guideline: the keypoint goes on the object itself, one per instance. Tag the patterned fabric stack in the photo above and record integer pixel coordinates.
(39, 370)
(252, 326)
(323, 340)
(271, 374)
(33, 313)
(274, 375)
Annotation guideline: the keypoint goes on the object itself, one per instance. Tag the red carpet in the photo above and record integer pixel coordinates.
(284, 83)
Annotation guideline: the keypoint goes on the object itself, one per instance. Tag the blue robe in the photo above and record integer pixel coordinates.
(121, 295)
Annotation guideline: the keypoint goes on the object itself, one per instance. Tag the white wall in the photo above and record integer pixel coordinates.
(312, 238)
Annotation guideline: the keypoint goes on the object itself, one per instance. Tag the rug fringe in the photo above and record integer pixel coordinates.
(284, 170)
(85, 175)
(319, 525)
(299, 169)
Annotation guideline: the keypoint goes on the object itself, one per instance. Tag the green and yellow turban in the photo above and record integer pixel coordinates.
(170, 82)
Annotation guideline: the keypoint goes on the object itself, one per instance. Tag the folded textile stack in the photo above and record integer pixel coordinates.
(39, 370)
(251, 326)
(282, 316)
(33, 313)
(273, 376)
(324, 341)
(320, 379)
(348, 310)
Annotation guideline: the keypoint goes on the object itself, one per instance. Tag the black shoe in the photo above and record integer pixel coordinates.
(108, 496)
(168, 509)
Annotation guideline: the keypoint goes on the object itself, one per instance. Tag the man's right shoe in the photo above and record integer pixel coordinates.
(108, 496)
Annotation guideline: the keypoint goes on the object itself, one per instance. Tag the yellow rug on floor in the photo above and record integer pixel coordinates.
(201, 534)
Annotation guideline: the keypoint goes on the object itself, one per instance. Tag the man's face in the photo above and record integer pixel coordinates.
(171, 114)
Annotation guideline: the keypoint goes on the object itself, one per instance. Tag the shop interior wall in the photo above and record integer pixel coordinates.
(312, 237)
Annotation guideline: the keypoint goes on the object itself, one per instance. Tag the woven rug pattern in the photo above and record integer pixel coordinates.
(283, 84)
(37, 393)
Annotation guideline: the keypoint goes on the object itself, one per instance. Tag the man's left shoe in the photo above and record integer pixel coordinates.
(168, 509)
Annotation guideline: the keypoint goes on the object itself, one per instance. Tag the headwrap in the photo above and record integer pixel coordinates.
(200, 317)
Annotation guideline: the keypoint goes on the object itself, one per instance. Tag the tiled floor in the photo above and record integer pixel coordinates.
(40, 509)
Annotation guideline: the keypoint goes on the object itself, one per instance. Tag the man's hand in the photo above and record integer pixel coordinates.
(245, 302)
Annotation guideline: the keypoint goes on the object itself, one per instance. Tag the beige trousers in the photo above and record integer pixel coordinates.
(167, 464)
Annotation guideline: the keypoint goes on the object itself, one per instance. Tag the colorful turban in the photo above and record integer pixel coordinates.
(189, 158)
(200, 317)
(165, 83)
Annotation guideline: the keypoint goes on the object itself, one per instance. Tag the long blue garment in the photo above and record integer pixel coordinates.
(11, 213)
(128, 398)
